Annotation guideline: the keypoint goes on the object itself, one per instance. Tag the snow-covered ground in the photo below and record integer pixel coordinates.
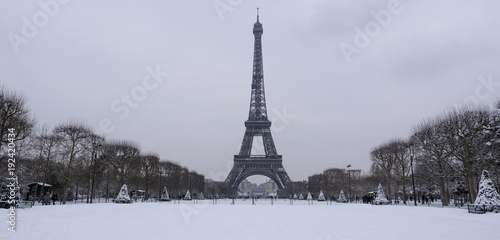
(245, 221)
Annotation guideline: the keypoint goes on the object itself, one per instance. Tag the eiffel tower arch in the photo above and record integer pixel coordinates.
(258, 125)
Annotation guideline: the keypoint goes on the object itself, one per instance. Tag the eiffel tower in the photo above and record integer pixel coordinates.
(258, 125)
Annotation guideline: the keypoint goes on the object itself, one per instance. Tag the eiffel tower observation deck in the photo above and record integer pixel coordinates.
(258, 125)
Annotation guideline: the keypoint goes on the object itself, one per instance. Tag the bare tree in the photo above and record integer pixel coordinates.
(335, 179)
(178, 179)
(91, 147)
(184, 181)
(315, 183)
(495, 141)
(467, 142)
(388, 159)
(368, 183)
(399, 147)
(122, 155)
(458, 144)
(14, 115)
(149, 168)
(173, 177)
(47, 147)
(73, 137)
(434, 153)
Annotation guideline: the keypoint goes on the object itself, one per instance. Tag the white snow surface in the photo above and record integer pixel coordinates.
(171, 220)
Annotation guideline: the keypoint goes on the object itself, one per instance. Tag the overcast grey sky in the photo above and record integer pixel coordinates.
(341, 76)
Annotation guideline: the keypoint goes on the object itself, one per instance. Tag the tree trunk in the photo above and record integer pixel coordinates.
(472, 188)
(66, 178)
(404, 183)
(404, 192)
(88, 190)
(65, 192)
(107, 185)
(498, 179)
(389, 192)
(444, 194)
(146, 190)
(89, 180)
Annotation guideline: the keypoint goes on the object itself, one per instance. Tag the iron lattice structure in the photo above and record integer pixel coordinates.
(258, 125)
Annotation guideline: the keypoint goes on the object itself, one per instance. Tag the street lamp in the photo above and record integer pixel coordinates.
(349, 171)
(96, 145)
(412, 176)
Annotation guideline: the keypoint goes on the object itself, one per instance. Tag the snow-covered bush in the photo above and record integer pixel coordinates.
(164, 195)
(487, 197)
(381, 199)
(9, 192)
(309, 197)
(301, 197)
(341, 198)
(187, 196)
(321, 196)
(123, 196)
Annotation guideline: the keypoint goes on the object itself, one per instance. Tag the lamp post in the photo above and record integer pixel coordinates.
(349, 172)
(96, 146)
(412, 176)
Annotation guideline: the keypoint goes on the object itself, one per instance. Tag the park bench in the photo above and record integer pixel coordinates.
(472, 208)
(479, 209)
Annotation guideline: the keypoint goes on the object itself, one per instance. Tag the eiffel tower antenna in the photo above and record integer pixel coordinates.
(257, 14)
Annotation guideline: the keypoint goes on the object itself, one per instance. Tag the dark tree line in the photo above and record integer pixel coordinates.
(448, 150)
(75, 160)
(334, 180)
(447, 154)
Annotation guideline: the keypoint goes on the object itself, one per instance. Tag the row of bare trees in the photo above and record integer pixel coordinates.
(76, 161)
(391, 162)
(334, 180)
(452, 147)
(447, 154)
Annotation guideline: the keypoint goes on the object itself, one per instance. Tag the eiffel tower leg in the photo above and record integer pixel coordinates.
(283, 176)
(232, 177)
(246, 146)
(268, 143)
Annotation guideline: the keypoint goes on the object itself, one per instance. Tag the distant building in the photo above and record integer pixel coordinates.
(246, 188)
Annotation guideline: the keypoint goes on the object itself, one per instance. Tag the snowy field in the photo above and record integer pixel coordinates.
(245, 221)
